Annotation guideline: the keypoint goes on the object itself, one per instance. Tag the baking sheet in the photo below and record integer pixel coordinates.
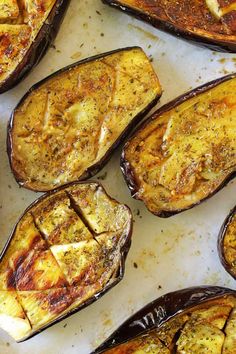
(166, 254)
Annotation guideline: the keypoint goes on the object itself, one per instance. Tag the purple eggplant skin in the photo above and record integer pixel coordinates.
(95, 297)
(125, 165)
(160, 311)
(212, 44)
(220, 244)
(93, 170)
(39, 47)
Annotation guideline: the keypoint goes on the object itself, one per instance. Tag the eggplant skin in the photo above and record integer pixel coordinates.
(227, 243)
(66, 127)
(66, 251)
(193, 320)
(186, 151)
(193, 20)
(33, 47)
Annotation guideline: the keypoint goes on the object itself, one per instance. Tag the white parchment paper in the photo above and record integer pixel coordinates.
(166, 254)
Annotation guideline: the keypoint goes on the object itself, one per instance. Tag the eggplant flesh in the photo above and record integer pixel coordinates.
(26, 29)
(67, 249)
(205, 327)
(211, 23)
(186, 151)
(227, 243)
(66, 127)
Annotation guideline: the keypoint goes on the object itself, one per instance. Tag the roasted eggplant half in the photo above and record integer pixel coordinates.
(66, 251)
(65, 128)
(195, 320)
(227, 243)
(27, 28)
(186, 151)
(211, 23)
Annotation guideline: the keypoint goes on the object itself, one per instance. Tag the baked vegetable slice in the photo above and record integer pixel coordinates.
(186, 151)
(227, 243)
(195, 320)
(66, 251)
(27, 28)
(211, 23)
(66, 127)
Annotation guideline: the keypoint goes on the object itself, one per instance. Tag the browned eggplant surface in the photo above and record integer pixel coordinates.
(207, 326)
(27, 27)
(68, 248)
(227, 243)
(66, 127)
(208, 22)
(186, 152)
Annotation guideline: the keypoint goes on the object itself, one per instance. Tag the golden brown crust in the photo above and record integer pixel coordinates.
(43, 306)
(194, 16)
(185, 153)
(206, 328)
(68, 124)
(53, 275)
(20, 22)
(39, 271)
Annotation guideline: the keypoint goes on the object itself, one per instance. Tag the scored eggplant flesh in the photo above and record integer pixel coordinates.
(20, 24)
(227, 243)
(186, 151)
(65, 128)
(207, 328)
(220, 8)
(208, 22)
(66, 250)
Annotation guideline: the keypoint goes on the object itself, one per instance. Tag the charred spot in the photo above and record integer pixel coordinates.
(81, 278)
(230, 20)
(138, 148)
(37, 243)
(25, 273)
(5, 39)
(11, 280)
(24, 41)
(77, 292)
(5, 43)
(19, 260)
(59, 300)
(8, 51)
(24, 281)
